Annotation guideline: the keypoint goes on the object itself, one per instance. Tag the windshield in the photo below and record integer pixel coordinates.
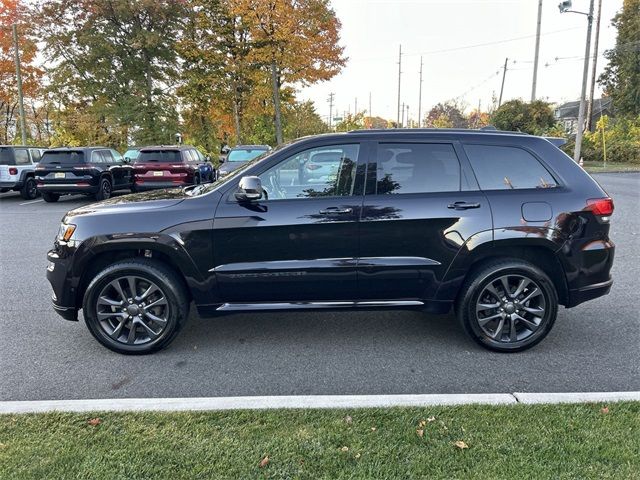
(131, 154)
(65, 157)
(159, 156)
(207, 187)
(244, 155)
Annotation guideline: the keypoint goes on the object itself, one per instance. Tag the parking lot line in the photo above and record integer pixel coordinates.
(32, 201)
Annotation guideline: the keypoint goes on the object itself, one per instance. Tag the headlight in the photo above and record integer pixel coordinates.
(65, 232)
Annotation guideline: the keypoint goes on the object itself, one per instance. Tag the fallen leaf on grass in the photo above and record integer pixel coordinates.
(3, 445)
(357, 456)
(348, 419)
(604, 410)
(461, 445)
(373, 429)
(431, 419)
(422, 423)
(94, 421)
(264, 462)
(420, 432)
(345, 449)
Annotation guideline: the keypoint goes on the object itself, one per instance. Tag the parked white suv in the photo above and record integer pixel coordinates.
(17, 166)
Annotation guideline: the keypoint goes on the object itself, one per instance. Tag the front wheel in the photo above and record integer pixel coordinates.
(135, 306)
(508, 305)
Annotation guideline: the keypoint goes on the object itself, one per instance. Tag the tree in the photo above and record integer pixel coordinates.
(621, 76)
(117, 61)
(296, 41)
(12, 11)
(535, 118)
(375, 122)
(446, 115)
(351, 122)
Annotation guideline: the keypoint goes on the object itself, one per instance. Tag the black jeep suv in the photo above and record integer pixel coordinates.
(94, 171)
(503, 227)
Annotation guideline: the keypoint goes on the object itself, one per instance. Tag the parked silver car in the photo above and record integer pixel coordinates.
(17, 164)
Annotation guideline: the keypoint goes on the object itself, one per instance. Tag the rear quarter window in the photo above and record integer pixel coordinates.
(507, 168)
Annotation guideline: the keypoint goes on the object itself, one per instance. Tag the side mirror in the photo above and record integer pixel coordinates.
(249, 188)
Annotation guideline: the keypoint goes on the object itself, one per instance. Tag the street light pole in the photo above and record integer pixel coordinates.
(535, 61)
(565, 6)
(23, 129)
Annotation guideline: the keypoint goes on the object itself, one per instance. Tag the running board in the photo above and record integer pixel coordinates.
(240, 307)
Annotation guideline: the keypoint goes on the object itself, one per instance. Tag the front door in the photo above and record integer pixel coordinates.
(418, 212)
(299, 243)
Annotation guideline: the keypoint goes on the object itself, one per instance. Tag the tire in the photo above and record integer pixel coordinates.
(29, 191)
(507, 323)
(104, 326)
(50, 197)
(104, 189)
(196, 180)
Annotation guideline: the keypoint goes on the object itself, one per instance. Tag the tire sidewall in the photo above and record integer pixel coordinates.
(176, 317)
(100, 195)
(26, 192)
(477, 286)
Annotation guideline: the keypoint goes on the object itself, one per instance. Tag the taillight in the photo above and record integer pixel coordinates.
(600, 206)
(13, 171)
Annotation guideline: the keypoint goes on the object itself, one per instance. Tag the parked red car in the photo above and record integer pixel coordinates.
(170, 166)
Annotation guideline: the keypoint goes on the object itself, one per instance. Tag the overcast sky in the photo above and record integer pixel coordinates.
(441, 30)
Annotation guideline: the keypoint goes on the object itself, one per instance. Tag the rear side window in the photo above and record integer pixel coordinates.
(416, 168)
(507, 168)
(35, 155)
(67, 157)
(22, 156)
(171, 156)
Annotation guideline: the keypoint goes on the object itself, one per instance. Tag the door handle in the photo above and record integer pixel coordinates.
(335, 210)
(463, 205)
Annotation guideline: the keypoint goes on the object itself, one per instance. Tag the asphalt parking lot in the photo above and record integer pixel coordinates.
(593, 347)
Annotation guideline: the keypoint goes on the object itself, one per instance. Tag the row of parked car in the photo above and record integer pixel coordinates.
(99, 171)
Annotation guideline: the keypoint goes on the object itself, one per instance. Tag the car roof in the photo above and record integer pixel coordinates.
(75, 149)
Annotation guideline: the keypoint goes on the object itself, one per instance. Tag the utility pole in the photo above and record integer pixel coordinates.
(399, 77)
(331, 97)
(355, 112)
(594, 64)
(370, 114)
(583, 93)
(504, 74)
(535, 60)
(408, 124)
(420, 97)
(402, 120)
(23, 129)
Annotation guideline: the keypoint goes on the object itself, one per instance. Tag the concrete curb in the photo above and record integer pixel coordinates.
(304, 401)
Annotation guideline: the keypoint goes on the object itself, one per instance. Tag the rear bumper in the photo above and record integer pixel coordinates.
(11, 185)
(67, 188)
(581, 295)
(141, 186)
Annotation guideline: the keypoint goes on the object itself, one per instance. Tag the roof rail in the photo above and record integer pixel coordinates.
(488, 129)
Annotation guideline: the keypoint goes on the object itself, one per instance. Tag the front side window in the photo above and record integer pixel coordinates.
(106, 156)
(116, 155)
(416, 168)
(318, 172)
(507, 168)
(35, 155)
(22, 156)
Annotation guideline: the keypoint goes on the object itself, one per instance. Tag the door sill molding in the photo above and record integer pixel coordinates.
(238, 307)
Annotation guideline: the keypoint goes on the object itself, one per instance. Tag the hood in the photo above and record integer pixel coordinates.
(152, 200)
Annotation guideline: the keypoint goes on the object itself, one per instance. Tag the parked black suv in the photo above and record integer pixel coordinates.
(503, 227)
(94, 171)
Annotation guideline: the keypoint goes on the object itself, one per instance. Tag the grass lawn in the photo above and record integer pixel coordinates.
(518, 441)
(598, 167)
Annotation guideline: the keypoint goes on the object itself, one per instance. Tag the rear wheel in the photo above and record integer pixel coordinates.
(104, 189)
(135, 306)
(50, 197)
(508, 305)
(29, 190)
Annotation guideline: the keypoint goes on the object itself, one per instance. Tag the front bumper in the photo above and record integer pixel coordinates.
(64, 290)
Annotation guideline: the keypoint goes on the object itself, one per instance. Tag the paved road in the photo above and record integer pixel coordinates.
(593, 347)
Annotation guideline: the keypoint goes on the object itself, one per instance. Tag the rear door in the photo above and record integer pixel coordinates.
(418, 212)
(300, 243)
